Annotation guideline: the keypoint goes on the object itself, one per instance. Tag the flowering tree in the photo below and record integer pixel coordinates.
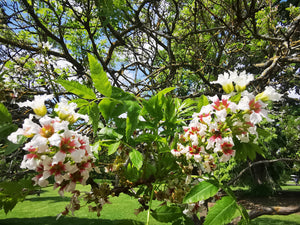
(169, 149)
(145, 49)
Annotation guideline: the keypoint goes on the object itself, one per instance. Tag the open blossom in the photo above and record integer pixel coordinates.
(29, 129)
(241, 80)
(226, 81)
(211, 134)
(54, 149)
(269, 94)
(66, 111)
(38, 104)
(256, 109)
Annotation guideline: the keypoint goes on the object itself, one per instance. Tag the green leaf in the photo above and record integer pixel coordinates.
(11, 147)
(165, 91)
(80, 102)
(120, 95)
(167, 214)
(133, 110)
(94, 114)
(5, 116)
(222, 212)
(203, 101)
(106, 107)
(112, 148)
(236, 98)
(263, 132)
(131, 173)
(136, 158)
(201, 191)
(246, 150)
(6, 129)
(99, 77)
(77, 89)
(110, 133)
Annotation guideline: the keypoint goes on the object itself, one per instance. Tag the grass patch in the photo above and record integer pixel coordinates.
(293, 219)
(43, 210)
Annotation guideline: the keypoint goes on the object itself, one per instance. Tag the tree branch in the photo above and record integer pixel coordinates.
(261, 162)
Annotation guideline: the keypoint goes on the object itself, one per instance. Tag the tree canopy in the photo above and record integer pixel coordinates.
(146, 46)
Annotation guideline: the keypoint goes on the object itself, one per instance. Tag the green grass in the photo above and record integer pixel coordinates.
(293, 219)
(43, 210)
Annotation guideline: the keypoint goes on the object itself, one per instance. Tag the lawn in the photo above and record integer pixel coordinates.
(43, 210)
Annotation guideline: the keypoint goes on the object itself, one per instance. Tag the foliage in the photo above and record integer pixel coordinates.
(13, 192)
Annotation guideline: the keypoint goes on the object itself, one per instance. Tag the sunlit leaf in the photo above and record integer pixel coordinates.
(99, 77)
(136, 158)
(222, 212)
(167, 214)
(201, 191)
(77, 89)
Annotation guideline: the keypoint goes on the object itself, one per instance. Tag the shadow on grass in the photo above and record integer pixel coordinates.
(268, 221)
(51, 199)
(67, 221)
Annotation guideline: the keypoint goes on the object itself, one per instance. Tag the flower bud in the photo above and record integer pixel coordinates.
(40, 111)
(228, 87)
(240, 88)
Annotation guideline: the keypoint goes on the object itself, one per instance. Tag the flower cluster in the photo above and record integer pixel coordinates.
(210, 135)
(54, 149)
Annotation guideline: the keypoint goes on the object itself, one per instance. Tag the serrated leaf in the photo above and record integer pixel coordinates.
(112, 148)
(106, 107)
(80, 102)
(110, 133)
(201, 191)
(167, 214)
(99, 77)
(222, 212)
(94, 115)
(133, 110)
(136, 158)
(246, 150)
(77, 89)
(5, 116)
(120, 95)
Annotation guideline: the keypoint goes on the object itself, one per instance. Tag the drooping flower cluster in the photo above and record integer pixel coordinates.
(210, 135)
(54, 149)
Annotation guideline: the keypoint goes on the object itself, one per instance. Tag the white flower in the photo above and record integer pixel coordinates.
(269, 94)
(38, 104)
(59, 157)
(29, 130)
(66, 111)
(226, 81)
(241, 80)
(46, 45)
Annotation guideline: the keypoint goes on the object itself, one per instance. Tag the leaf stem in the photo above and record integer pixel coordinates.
(150, 204)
